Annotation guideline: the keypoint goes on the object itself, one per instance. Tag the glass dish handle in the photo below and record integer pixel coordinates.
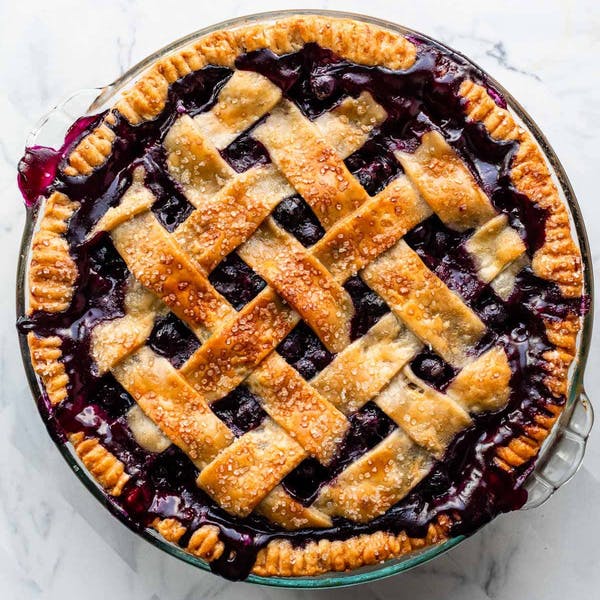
(562, 454)
(50, 130)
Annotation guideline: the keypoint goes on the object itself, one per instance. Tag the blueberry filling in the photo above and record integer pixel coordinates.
(173, 339)
(305, 351)
(374, 164)
(368, 307)
(432, 369)
(368, 426)
(298, 218)
(240, 410)
(245, 152)
(38, 167)
(171, 207)
(235, 280)
(465, 481)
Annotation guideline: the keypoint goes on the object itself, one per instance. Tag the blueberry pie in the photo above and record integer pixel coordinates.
(304, 299)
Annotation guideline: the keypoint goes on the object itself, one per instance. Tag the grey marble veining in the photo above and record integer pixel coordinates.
(56, 542)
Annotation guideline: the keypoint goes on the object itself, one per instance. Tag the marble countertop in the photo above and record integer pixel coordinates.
(56, 542)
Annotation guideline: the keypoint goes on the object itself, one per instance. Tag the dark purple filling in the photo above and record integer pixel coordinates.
(240, 410)
(171, 207)
(37, 169)
(305, 351)
(245, 152)
(235, 280)
(432, 369)
(368, 306)
(374, 164)
(298, 218)
(465, 482)
(368, 426)
(173, 339)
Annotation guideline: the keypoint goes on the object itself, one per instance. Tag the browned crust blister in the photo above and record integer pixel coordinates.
(53, 273)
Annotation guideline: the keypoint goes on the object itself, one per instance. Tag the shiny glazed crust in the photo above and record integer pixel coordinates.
(558, 260)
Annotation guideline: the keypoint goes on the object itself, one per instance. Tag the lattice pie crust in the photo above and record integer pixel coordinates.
(363, 234)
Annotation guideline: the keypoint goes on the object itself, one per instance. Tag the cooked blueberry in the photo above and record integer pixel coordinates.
(245, 152)
(305, 351)
(368, 306)
(240, 410)
(432, 369)
(304, 481)
(106, 261)
(171, 209)
(368, 427)
(297, 217)
(374, 165)
(322, 85)
(112, 396)
(173, 339)
(235, 280)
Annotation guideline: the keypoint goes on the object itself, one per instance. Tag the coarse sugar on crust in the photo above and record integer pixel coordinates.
(170, 277)
(359, 42)
(558, 260)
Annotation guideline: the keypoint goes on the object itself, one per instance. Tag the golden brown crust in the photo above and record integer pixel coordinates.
(161, 267)
(52, 272)
(434, 313)
(93, 150)
(558, 260)
(282, 559)
(54, 275)
(180, 413)
(205, 543)
(216, 369)
(46, 357)
(359, 42)
(108, 470)
(302, 281)
(377, 480)
(377, 225)
(299, 408)
(247, 470)
(313, 167)
(171, 529)
(446, 183)
(280, 508)
(373, 360)
(231, 216)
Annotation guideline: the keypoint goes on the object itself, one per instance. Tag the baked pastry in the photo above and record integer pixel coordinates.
(304, 299)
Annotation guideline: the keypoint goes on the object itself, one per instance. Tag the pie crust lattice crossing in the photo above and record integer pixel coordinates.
(306, 418)
(231, 213)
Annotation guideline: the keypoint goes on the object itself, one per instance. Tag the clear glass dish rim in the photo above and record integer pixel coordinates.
(394, 566)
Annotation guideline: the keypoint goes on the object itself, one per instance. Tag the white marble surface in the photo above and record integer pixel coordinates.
(55, 540)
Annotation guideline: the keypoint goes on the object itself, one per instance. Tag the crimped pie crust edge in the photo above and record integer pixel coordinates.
(558, 260)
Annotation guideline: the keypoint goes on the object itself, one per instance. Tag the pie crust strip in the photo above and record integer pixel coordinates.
(555, 261)
(417, 296)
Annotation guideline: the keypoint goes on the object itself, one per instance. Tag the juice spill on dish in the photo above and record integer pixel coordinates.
(466, 481)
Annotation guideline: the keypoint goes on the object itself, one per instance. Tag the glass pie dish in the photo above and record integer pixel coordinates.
(563, 450)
